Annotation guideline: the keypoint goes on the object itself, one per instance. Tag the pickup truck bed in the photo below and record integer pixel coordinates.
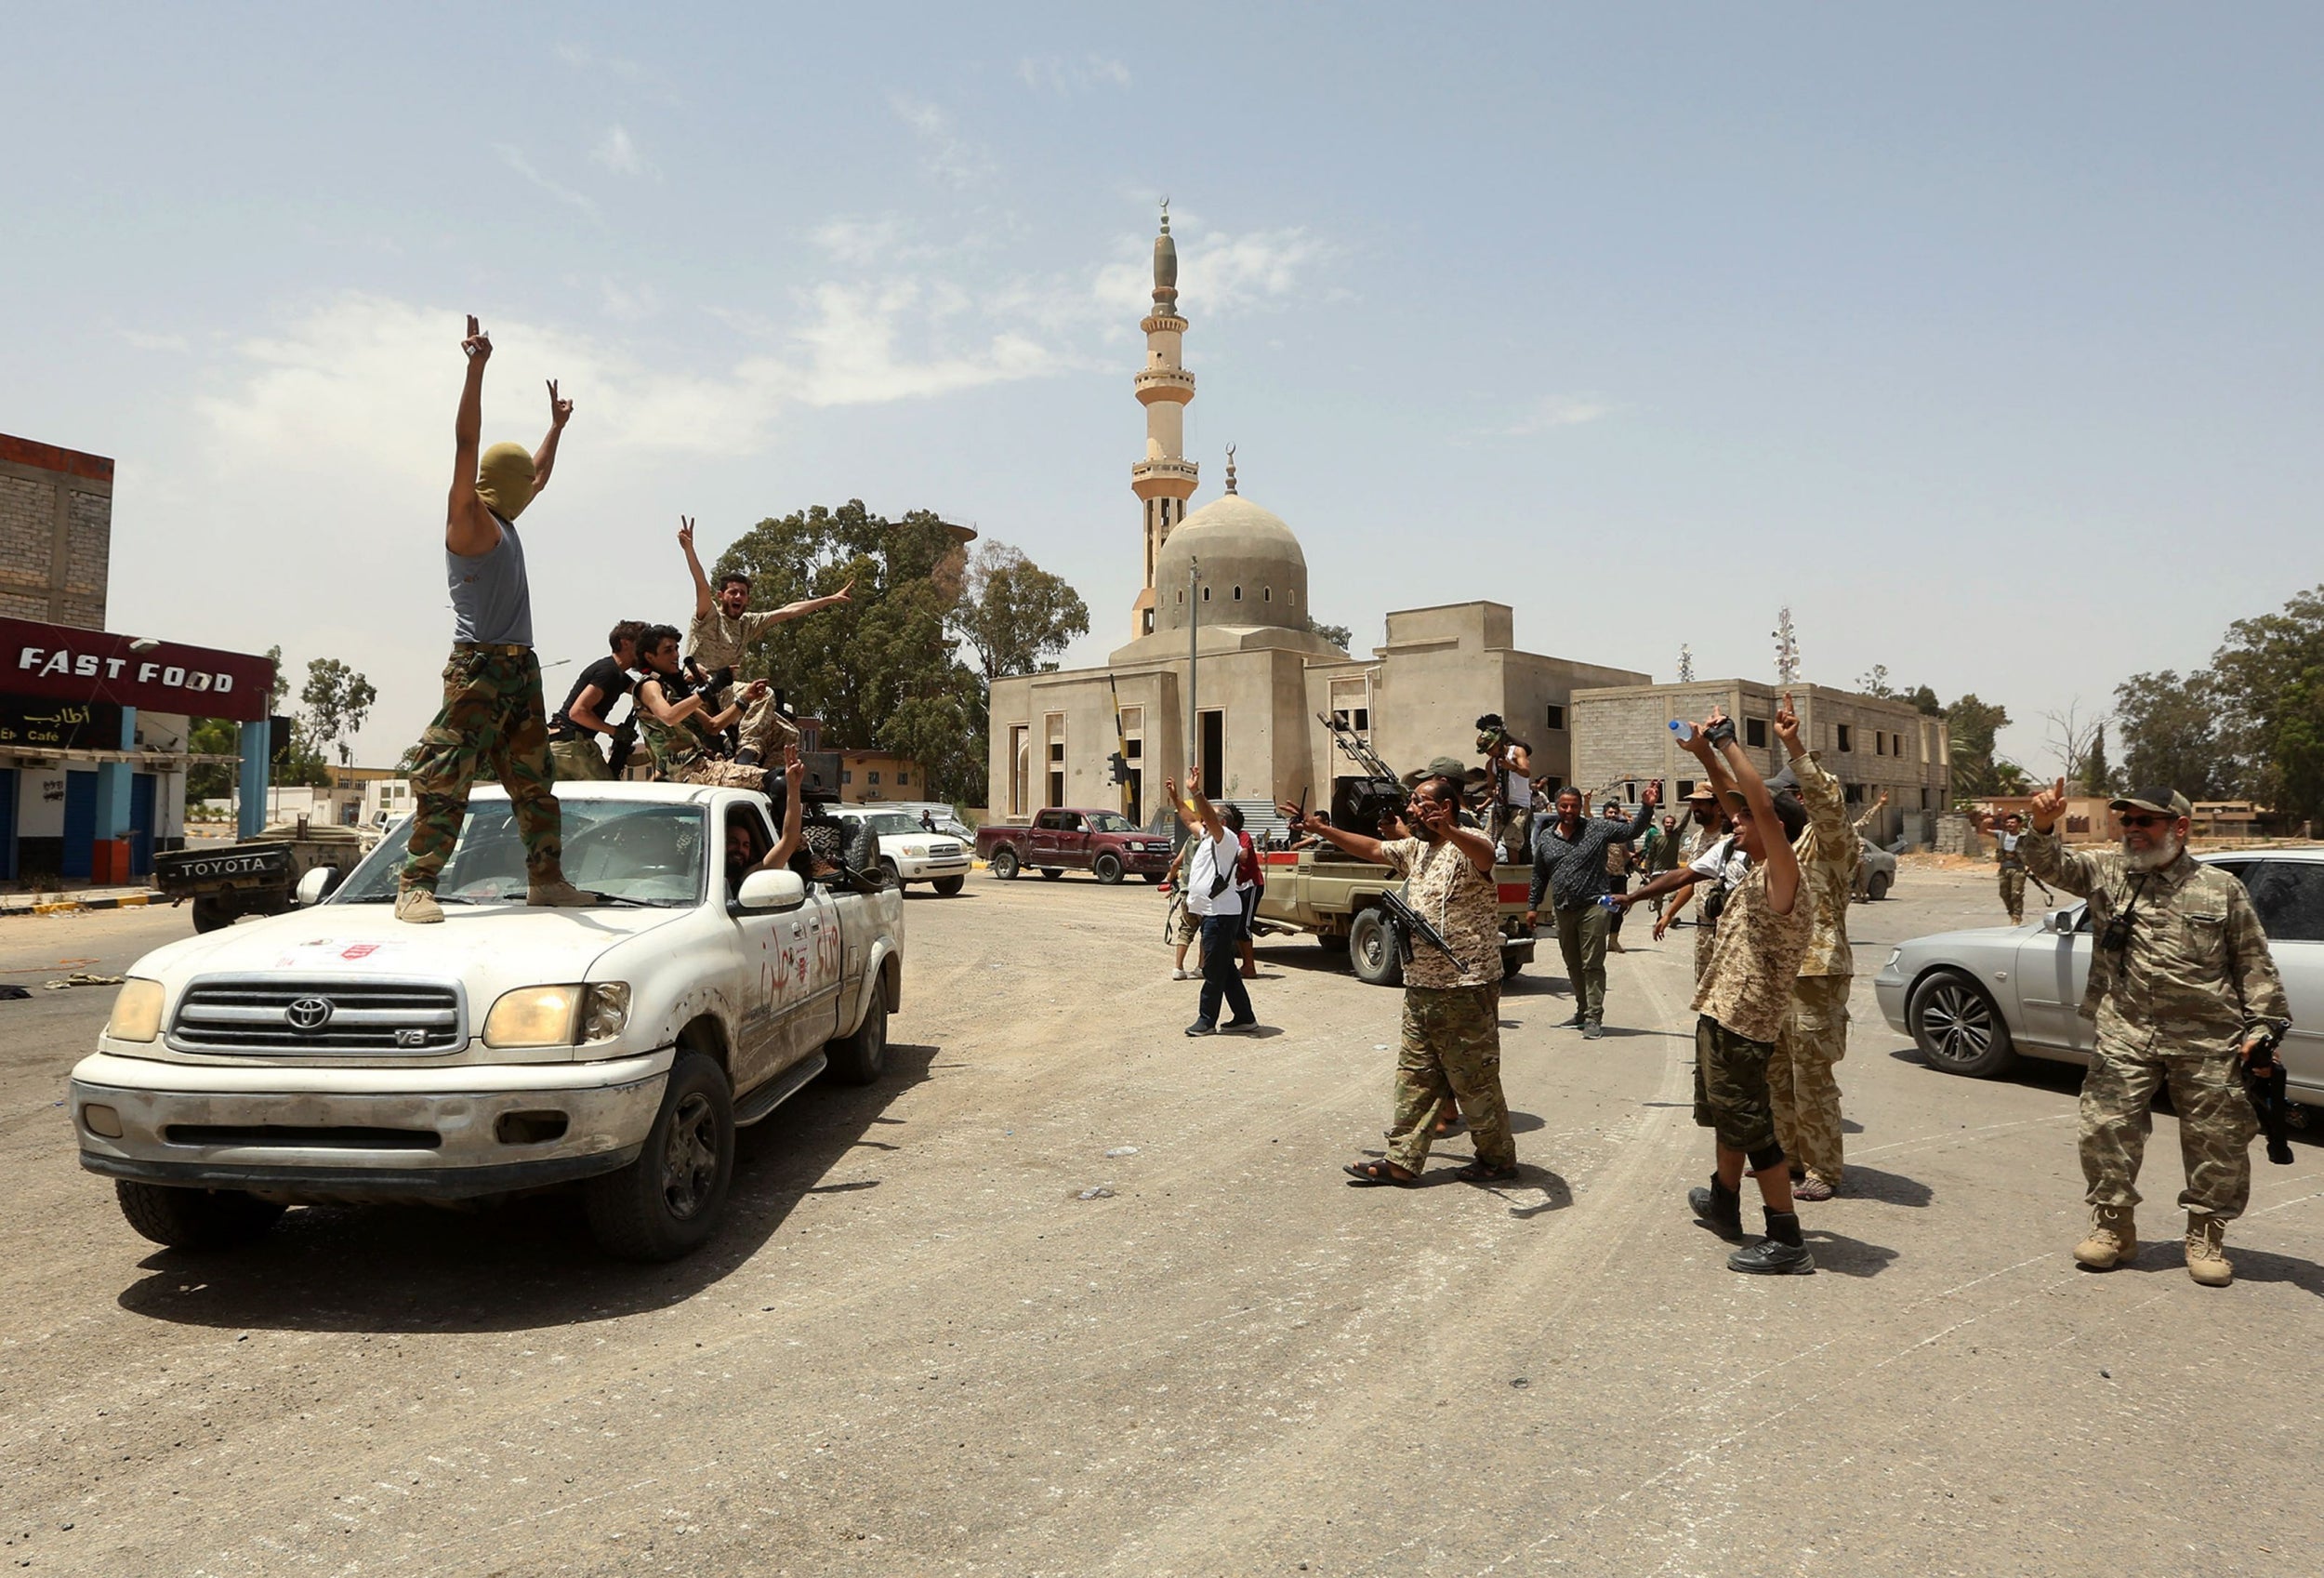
(1336, 897)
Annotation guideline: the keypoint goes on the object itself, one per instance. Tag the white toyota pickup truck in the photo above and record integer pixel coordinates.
(335, 1053)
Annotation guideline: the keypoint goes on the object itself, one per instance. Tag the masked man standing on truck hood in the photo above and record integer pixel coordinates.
(1452, 1037)
(493, 716)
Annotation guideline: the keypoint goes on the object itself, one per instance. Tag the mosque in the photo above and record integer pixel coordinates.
(1224, 659)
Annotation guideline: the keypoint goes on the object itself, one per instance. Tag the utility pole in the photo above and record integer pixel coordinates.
(1194, 654)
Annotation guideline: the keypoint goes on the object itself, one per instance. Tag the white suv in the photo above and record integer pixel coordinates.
(908, 852)
(335, 1053)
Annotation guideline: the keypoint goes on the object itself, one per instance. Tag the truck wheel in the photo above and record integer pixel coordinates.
(1877, 889)
(195, 1218)
(859, 1059)
(1005, 865)
(209, 914)
(1052, 872)
(1372, 952)
(669, 1202)
(895, 877)
(1510, 965)
(946, 887)
(1107, 868)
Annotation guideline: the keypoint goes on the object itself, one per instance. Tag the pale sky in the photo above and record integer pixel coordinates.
(1986, 337)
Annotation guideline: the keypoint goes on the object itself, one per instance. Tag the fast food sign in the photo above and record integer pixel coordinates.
(97, 666)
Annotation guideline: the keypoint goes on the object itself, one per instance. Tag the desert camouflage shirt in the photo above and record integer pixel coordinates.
(1755, 957)
(1826, 853)
(716, 642)
(2196, 977)
(1461, 902)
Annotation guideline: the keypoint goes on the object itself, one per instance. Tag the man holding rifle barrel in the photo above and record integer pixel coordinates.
(1452, 990)
(2182, 992)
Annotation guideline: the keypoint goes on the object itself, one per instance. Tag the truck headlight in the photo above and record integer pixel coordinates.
(137, 1014)
(533, 1017)
(606, 1013)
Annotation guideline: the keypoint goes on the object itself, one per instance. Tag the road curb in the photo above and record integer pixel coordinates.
(81, 906)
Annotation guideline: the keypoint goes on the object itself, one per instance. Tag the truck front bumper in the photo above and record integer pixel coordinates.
(364, 1134)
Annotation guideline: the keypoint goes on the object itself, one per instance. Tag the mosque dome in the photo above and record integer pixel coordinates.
(1253, 572)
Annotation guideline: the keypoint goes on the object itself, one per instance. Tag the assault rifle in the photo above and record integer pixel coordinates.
(625, 742)
(1410, 924)
(2269, 1104)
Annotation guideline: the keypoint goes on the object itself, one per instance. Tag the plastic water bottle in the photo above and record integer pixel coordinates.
(1683, 730)
(1606, 901)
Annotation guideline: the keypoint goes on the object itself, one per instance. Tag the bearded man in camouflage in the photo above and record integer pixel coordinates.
(492, 718)
(2182, 989)
(1452, 1037)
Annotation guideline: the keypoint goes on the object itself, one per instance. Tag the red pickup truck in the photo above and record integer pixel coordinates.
(1105, 843)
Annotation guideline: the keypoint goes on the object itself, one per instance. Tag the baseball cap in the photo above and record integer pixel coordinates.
(2159, 798)
(1444, 767)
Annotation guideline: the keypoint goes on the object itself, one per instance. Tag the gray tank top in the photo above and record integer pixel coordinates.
(492, 602)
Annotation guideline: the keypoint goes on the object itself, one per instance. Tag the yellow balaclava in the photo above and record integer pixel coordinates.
(504, 480)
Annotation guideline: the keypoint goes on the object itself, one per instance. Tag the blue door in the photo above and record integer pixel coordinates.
(9, 780)
(80, 826)
(141, 786)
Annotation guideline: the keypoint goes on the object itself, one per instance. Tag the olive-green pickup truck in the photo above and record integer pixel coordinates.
(1337, 897)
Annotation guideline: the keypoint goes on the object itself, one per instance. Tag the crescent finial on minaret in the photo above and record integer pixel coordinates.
(1230, 468)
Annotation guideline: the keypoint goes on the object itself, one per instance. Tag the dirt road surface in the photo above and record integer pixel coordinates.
(1070, 1294)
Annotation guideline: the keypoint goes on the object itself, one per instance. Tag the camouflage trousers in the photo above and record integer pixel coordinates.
(722, 774)
(2215, 1127)
(1451, 1051)
(1801, 1088)
(1731, 1096)
(493, 721)
(1511, 829)
(2014, 893)
(578, 759)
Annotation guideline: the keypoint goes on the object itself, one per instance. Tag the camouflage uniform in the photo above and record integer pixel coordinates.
(681, 755)
(2012, 877)
(2174, 1007)
(494, 719)
(578, 759)
(1815, 1032)
(1742, 999)
(1452, 1037)
(1184, 925)
(716, 642)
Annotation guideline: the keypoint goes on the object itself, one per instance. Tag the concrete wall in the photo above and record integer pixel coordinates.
(56, 533)
(1622, 736)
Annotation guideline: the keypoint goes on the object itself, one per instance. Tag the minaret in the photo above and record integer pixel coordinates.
(1165, 479)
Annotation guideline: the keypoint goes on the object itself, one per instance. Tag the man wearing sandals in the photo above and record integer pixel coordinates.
(1452, 1038)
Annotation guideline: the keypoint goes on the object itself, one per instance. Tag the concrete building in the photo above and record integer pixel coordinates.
(1223, 667)
(870, 776)
(95, 726)
(1622, 741)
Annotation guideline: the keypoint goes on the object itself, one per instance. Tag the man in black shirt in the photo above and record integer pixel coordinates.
(1569, 865)
(572, 732)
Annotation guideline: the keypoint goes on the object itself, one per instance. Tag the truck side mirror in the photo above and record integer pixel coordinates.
(316, 883)
(2067, 922)
(776, 891)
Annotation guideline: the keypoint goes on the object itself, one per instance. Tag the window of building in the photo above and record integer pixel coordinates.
(1133, 749)
(1289, 595)
(872, 778)
(1266, 594)
(1880, 742)
(1553, 783)
(1213, 733)
(1020, 770)
(1206, 594)
(1363, 720)
(1630, 793)
(1924, 799)
(1057, 750)
(904, 779)
(1182, 595)
(847, 775)
(1755, 731)
(1239, 594)
(1686, 787)
(1556, 719)
(1846, 737)
(1851, 793)
(1149, 626)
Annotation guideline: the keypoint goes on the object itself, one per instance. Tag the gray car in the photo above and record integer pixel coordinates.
(1975, 1001)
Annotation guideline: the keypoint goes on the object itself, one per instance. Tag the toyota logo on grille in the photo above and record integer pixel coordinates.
(308, 1013)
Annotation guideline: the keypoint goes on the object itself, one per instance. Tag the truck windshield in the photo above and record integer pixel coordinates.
(891, 822)
(629, 851)
(1111, 822)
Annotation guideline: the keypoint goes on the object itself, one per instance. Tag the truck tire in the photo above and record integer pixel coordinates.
(1052, 872)
(1510, 965)
(195, 1219)
(1005, 864)
(888, 870)
(946, 887)
(1107, 868)
(209, 913)
(1372, 950)
(861, 1059)
(667, 1202)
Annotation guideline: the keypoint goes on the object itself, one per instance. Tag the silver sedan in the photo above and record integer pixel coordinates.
(1975, 1001)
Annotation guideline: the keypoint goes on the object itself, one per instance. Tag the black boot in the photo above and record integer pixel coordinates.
(1781, 1254)
(1719, 1208)
(747, 757)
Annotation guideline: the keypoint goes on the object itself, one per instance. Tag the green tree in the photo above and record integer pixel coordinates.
(1338, 635)
(338, 700)
(1924, 701)
(1015, 614)
(1973, 724)
(883, 669)
(2167, 728)
(2097, 774)
(1875, 683)
(2269, 677)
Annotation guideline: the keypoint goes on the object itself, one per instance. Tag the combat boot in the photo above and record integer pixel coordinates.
(1718, 1208)
(419, 907)
(2113, 1239)
(1781, 1254)
(559, 895)
(2207, 1251)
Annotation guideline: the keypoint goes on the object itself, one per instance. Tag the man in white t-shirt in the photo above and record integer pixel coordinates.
(1214, 896)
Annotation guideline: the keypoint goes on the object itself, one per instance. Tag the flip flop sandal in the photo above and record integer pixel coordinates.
(1477, 1172)
(1812, 1187)
(1372, 1175)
